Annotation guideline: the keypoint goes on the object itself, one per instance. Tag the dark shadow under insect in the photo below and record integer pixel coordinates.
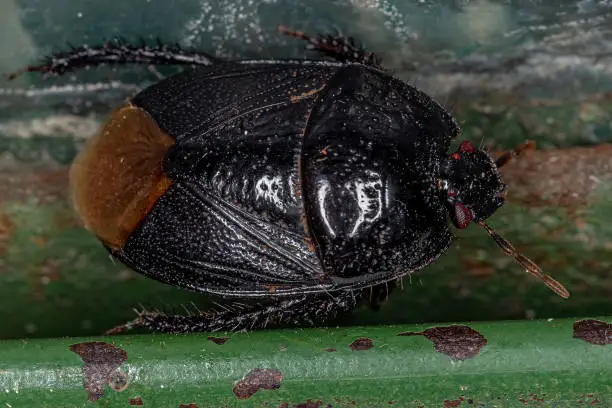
(311, 182)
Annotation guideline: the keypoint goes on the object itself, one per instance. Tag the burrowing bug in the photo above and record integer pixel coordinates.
(305, 180)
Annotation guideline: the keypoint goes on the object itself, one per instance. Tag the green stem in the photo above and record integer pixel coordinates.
(536, 363)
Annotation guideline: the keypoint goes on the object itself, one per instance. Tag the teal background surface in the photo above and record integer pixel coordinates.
(509, 70)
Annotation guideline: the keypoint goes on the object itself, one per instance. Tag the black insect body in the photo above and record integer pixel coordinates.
(303, 180)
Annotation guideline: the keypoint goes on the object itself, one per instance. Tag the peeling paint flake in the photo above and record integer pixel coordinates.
(593, 331)
(258, 378)
(102, 361)
(218, 340)
(456, 341)
(118, 380)
(361, 344)
(136, 401)
(452, 403)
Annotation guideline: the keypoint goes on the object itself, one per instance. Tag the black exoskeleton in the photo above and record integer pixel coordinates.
(306, 181)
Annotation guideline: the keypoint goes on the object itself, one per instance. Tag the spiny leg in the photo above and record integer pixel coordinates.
(304, 309)
(117, 52)
(338, 47)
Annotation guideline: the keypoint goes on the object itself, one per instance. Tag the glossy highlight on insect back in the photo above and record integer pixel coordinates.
(306, 181)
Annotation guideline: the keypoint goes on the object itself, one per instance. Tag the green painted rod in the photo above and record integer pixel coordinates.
(519, 363)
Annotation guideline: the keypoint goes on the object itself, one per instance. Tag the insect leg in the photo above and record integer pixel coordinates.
(379, 294)
(301, 310)
(116, 52)
(337, 46)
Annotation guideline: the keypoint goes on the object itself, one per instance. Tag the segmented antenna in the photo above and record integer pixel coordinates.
(525, 262)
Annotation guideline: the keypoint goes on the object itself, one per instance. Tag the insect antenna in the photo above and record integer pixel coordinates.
(525, 262)
(517, 151)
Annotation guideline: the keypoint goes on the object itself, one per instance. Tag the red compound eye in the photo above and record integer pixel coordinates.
(467, 147)
(463, 215)
(456, 156)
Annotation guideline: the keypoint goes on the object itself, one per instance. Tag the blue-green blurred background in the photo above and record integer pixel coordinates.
(509, 71)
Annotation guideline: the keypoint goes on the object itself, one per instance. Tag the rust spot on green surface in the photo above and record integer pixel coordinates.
(218, 340)
(191, 405)
(456, 341)
(136, 401)
(102, 361)
(452, 403)
(532, 399)
(258, 378)
(330, 349)
(308, 404)
(461, 402)
(118, 380)
(361, 344)
(593, 331)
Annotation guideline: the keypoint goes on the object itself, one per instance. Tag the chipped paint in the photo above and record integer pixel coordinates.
(259, 378)
(102, 361)
(361, 344)
(136, 401)
(452, 403)
(456, 341)
(118, 380)
(593, 331)
(218, 340)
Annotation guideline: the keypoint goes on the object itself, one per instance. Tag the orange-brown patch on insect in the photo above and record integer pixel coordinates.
(118, 177)
(304, 95)
(310, 244)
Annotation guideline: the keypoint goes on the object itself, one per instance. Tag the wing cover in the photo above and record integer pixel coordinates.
(194, 239)
(232, 222)
(195, 103)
